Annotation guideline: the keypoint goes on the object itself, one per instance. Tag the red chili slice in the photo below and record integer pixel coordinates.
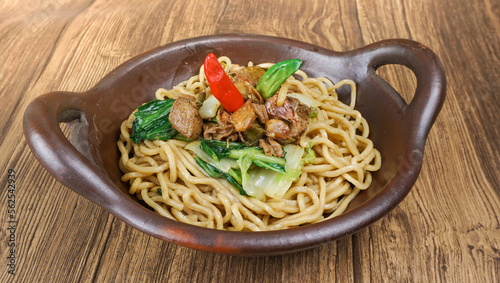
(221, 85)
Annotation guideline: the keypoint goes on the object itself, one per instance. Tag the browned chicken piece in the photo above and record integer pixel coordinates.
(276, 147)
(302, 110)
(286, 131)
(271, 147)
(223, 129)
(212, 131)
(285, 112)
(223, 116)
(277, 129)
(251, 74)
(243, 117)
(245, 79)
(185, 117)
(261, 112)
(268, 149)
(297, 128)
(293, 114)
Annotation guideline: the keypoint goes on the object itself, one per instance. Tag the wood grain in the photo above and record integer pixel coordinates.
(447, 229)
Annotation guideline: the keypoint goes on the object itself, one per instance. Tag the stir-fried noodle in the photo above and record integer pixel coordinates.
(166, 177)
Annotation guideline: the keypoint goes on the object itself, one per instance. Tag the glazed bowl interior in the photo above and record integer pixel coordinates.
(397, 130)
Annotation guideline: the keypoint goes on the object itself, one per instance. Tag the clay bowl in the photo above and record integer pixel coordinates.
(89, 163)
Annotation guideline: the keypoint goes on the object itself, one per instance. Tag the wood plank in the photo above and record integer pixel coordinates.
(445, 230)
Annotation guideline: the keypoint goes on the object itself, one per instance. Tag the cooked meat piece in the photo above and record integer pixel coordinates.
(302, 110)
(243, 117)
(271, 147)
(285, 112)
(251, 74)
(297, 128)
(245, 79)
(284, 131)
(277, 129)
(276, 147)
(223, 117)
(268, 149)
(261, 112)
(223, 129)
(290, 109)
(293, 113)
(256, 73)
(185, 117)
(247, 91)
(212, 131)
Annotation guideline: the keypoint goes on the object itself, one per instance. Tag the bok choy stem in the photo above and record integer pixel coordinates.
(218, 174)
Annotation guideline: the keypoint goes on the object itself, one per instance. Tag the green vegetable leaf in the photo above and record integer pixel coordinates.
(314, 112)
(271, 166)
(245, 162)
(180, 137)
(151, 121)
(225, 144)
(310, 155)
(274, 184)
(216, 173)
(272, 79)
(209, 169)
(219, 149)
(216, 155)
(290, 175)
(236, 174)
(253, 134)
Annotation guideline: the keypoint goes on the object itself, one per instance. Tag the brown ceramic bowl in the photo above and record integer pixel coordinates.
(89, 163)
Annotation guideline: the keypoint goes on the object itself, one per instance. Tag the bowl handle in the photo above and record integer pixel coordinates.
(56, 153)
(429, 95)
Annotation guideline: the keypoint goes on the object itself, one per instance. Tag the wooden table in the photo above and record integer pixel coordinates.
(447, 229)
